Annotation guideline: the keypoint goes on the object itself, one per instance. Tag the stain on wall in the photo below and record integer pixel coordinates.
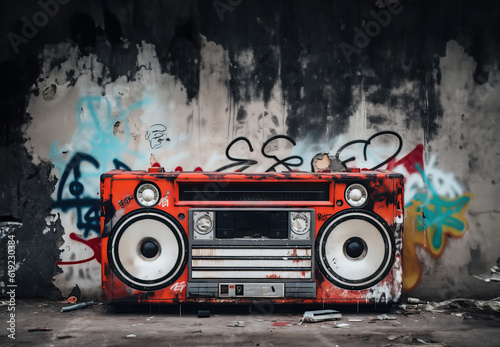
(103, 84)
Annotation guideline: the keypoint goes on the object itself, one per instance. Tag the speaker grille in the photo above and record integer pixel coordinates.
(355, 249)
(147, 250)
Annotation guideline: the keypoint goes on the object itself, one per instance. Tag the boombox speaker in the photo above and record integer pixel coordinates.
(355, 249)
(148, 250)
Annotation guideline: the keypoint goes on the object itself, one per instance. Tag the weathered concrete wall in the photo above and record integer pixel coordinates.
(90, 86)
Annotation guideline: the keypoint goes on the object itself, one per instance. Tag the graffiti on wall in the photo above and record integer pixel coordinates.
(157, 136)
(103, 130)
(435, 201)
(435, 206)
(98, 144)
(366, 144)
(431, 218)
(267, 146)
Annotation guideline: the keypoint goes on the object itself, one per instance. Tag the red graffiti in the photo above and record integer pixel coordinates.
(410, 161)
(93, 244)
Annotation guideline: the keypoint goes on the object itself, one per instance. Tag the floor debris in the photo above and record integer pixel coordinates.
(320, 316)
(72, 300)
(77, 306)
(131, 335)
(493, 276)
(385, 317)
(237, 325)
(465, 308)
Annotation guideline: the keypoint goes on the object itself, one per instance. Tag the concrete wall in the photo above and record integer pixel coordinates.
(90, 86)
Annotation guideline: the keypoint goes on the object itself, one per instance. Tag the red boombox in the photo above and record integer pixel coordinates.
(290, 237)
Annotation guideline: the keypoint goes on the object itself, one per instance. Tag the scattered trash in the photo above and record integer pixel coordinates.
(415, 308)
(282, 324)
(392, 337)
(72, 300)
(4, 303)
(355, 320)
(469, 306)
(341, 325)
(203, 313)
(415, 301)
(237, 325)
(148, 319)
(494, 276)
(131, 335)
(410, 340)
(465, 308)
(320, 316)
(76, 306)
(196, 331)
(38, 329)
(386, 317)
(461, 315)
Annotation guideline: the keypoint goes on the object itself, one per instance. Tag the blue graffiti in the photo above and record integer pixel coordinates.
(95, 134)
(101, 139)
(439, 213)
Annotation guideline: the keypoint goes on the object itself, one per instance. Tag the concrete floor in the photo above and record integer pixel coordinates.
(41, 323)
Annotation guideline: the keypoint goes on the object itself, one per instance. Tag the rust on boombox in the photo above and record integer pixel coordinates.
(280, 237)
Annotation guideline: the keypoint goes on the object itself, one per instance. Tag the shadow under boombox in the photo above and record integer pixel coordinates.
(289, 237)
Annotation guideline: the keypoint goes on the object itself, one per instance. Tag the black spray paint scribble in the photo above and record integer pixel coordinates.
(87, 208)
(286, 162)
(157, 136)
(365, 147)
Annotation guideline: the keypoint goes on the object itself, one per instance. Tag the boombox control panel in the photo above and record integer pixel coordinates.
(289, 237)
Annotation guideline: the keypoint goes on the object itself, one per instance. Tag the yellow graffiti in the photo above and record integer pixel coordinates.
(430, 219)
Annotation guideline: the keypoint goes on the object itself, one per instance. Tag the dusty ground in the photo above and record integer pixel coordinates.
(41, 323)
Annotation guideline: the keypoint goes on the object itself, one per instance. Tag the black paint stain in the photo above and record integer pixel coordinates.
(241, 115)
(377, 119)
(76, 292)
